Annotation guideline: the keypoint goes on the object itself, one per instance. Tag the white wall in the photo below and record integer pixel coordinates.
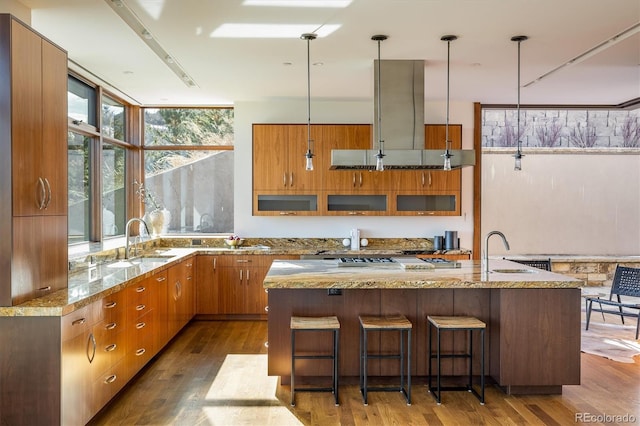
(17, 9)
(247, 113)
(585, 204)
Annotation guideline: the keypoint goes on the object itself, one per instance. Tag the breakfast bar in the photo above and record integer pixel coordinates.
(532, 316)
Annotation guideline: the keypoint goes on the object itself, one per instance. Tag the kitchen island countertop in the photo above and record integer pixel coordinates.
(311, 274)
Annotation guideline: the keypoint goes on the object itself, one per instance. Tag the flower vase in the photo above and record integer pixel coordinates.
(156, 220)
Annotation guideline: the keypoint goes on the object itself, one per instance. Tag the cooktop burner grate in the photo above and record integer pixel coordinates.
(362, 261)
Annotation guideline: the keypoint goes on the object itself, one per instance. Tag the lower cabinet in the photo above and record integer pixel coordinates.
(181, 295)
(232, 284)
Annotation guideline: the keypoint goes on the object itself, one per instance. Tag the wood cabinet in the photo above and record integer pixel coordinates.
(354, 192)
(231, 285)
(181, 295)
(279, 158)
(33, 139)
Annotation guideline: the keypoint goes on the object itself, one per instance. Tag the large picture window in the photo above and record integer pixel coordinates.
(189, 168)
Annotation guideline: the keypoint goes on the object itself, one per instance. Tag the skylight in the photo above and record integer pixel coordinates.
(298, 3)
(271, 30)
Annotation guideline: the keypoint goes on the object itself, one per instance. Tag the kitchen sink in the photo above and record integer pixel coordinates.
(514, 271)
(125, 263)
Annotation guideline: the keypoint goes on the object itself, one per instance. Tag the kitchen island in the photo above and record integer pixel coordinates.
(532, 317)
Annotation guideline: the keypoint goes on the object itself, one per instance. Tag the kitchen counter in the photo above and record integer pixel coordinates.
(327, 274)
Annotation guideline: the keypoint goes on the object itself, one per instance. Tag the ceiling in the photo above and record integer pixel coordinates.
(227, 70)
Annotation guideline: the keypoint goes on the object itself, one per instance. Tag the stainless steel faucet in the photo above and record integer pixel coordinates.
(486, 247)
(127, 234)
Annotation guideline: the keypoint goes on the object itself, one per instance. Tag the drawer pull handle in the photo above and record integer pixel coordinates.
(47, 288)
(110, 379)
(110, 305)
(91, 341)
(43, 194)
(79, 321)
(266, 308)
(140, 307)
(140, 289)
(112, 347)
(189, 265)
(48, 198)
(111, 326)
(160, 279)
(141, 325)
(140, 351)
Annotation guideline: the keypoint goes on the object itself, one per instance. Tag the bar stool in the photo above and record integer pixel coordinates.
(453, 323)
(385, 323)
(330, 323)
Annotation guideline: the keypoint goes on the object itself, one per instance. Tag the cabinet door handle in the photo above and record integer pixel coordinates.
(291, 179)
(140, 351)
(429, 178)
(47, 288)
(140, 289)
(110, 326)
(141, 325)
(284, 178)
(247, 275)
(422, 176)
(79, 321)
(110, 305)
(242, 261)
(240, 274)
(361, 179)
(287, 213)
(354, 179)
(91, 341)
(48, 201)
(215, 259)
(160, 279)
(110, 379)
(356, 213)
(43, 195)
(266, 308)
(421, 213)
(112, 347)
(141, 307)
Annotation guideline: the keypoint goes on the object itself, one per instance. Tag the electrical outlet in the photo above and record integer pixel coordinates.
(334, 292)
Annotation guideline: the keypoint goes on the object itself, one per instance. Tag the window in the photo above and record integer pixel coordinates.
(97, 152)
(189, 167)
(113, 119)
(113, 190)
(81, 100)
(568, 128)
(79, 190)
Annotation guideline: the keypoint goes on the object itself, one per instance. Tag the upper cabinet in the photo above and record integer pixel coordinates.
(279, 190)
(38, 124)
(279, 158)
(33, 164)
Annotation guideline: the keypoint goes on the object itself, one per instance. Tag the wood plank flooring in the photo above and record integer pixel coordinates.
(214, 373)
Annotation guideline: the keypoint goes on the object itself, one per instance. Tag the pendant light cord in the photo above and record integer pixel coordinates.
(308, 94)
(518, 154)
(447, 143)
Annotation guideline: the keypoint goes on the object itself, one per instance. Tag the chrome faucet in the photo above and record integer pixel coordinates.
(127, 234)
(486, 247)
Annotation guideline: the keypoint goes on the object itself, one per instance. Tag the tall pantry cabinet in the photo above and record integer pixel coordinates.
(33, 164)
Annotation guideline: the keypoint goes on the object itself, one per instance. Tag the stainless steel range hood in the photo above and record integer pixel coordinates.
(402, 124)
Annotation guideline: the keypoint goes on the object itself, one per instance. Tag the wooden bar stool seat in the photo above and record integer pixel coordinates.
(322, 324)
(398, 323)
(454, 323)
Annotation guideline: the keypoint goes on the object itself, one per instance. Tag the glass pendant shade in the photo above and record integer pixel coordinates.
(309, 163)
(379, 162)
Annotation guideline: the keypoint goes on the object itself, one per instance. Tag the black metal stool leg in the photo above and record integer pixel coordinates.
(293, 367)
(408, 367)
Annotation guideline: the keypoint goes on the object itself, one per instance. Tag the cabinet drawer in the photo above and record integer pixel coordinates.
(111, 308)
(141, 341)
(108, 384)
(76, 323)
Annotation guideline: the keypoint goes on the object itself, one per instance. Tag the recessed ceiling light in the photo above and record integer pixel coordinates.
(286, 64)
(127, 72)
(318, 64)
(270, 30)
(298, 3)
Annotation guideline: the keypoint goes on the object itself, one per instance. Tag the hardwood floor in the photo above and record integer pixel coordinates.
(214, 373)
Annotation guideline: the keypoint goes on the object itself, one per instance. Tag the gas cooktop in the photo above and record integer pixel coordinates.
(364, 261)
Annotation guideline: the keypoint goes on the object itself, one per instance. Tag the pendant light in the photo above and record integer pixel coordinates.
(447, 143)
(380, 155)
(518, 155)
(309, 154)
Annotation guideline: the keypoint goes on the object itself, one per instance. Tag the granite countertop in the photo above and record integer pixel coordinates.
(307, 274)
